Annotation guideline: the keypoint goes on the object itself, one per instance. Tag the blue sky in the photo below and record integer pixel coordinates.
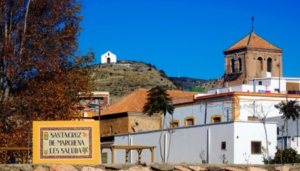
(187, 37)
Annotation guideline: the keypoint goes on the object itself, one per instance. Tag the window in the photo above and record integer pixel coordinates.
(278, 130)
(104, 158)
(259, 64)
(216, 118)
(189, 121)
(174, 124)
(269, 66)
(259, 82)
(111, 129)
(255, 147)
(232, 63)
(240, 64)
(223, 145)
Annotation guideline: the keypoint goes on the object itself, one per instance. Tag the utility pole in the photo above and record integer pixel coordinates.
(99, 113)
(278, 65)
(205, 113)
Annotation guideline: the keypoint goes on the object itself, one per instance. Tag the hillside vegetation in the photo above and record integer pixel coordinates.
(124, 77)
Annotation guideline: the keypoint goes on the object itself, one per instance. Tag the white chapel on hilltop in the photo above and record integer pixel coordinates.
(108, 57)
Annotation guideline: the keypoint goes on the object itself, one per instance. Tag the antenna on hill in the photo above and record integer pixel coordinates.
(252, 23)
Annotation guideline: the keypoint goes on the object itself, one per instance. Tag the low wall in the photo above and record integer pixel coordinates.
(150, 167)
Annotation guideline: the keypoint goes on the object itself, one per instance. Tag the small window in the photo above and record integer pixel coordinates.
(189, 121)
(223, 145)
(240, 64)
(255, 147)
(104, 158)
(174, 124)
(259, 82)
(216, 118)
(232, 63)
(111, 129)
(259, 64)
(252, 118)
(269, 65)
(278, 130)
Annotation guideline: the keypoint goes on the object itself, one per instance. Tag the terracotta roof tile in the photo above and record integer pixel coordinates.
(252, 40)
(135, 101)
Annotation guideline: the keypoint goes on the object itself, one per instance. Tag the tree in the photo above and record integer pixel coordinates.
(289, 109)
(158, 100)
(41, 72)
(262, 112)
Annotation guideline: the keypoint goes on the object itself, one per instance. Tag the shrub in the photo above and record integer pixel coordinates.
(288, 156)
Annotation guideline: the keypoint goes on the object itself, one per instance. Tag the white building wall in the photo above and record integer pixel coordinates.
(261, 104)
(295, 143)
(198, 112)
(245, 133)
(242, 88)
(290, 131)
(111, 56)
(187, 143)
(248, 106)
(272, 83)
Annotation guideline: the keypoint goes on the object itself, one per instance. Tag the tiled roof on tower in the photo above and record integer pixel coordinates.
(254, 41)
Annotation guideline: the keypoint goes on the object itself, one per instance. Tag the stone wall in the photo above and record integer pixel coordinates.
(117, 124)
(123, 123)
(141, 122)
(150, 167)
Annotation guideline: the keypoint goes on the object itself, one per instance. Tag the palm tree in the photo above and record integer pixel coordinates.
(289, 109)
(158, 100)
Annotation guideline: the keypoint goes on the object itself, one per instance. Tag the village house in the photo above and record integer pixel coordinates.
(89, 104)
(126, 116)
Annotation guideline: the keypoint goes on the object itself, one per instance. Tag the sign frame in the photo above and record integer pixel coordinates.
(72, 134)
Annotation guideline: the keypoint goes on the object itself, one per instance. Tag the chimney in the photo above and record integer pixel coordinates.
(268, 75)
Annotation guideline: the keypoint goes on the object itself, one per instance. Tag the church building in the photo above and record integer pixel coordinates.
(108, 57)
(251, 57)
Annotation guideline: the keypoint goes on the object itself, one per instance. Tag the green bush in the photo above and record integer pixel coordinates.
(288, 156)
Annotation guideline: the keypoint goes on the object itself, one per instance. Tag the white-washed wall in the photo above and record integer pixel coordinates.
(248, 103)
(223, 106)
(187, 143)
(242, 88)
(245, 133)
(108, 54)
(198, 112)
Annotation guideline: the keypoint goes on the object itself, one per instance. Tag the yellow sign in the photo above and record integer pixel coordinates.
(70, 142)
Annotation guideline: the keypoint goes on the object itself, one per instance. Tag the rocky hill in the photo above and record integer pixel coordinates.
(123, 77)
(187, 81)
